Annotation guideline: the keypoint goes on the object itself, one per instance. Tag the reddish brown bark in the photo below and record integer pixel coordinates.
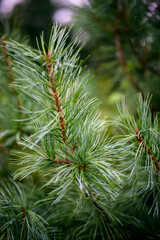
(55, 94)
(147, 149)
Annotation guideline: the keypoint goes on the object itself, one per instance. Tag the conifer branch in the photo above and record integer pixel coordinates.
(105, 25)
(67, 161)
(19, 109)
(10, 78)
(5, 234)
(109, 27)
(116, 30)
(47, 151)
(23, 216)
(105, 218)
(124, 64)
(121, 55)
(147, 150)
(23, 213)
(144, 61)
(7, 61)
(55, 94)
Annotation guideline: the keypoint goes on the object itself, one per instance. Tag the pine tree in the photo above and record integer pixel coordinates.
(90, 182)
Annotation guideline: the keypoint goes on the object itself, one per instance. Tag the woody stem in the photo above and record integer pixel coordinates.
(147, 149)
(55, 95)
(121, 55)
(10, 78)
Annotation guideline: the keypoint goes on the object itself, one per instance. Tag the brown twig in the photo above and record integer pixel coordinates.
(5, 234)
(144, 61)
(105, 218)
(23, 216)
(147, 150)
(156, 233)
(116, 30)
(105, 25)
(23, 213)
(108, 26)
(121, 55)
(10, 78)
(7, 61)
(55, 94)
(67, 161)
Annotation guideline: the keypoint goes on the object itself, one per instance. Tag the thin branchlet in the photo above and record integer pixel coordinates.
(147, 150)
(5, 234)
(116, 30)
(120, 52)
(23, 213)
(69, 162)
(105, 218)
(55, 94)
(7, 61)
(23, 217)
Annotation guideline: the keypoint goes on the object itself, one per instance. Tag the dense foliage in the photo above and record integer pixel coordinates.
(63, 173)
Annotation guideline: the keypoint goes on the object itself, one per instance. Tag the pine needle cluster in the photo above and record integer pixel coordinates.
(85, 183)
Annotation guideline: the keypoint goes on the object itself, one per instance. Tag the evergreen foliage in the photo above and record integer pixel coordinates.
(123, 41)
(17, 214)
(85, 183)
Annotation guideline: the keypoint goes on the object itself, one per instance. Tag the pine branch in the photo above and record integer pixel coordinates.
(109, 27)
(144, 61)
(67, 161)
(116, 30)
(105, 218)
(14, 219)
(10, 78)
(7, 61)
(147, 150)
(69, 146)
(50, 61)
(5, 234)
(103, 24)
(55, 95)
(23, 219)
(120, 52)
(54, 92)
(141, 161)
